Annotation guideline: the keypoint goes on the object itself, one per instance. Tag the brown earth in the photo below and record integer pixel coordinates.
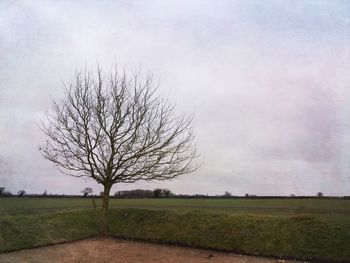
(114, 250)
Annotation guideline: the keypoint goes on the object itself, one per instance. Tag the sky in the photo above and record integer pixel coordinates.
(268, 81)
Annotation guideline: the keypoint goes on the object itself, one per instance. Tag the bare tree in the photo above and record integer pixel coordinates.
(117, 129)
(167, 192)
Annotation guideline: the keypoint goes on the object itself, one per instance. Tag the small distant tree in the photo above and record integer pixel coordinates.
(320, 194)
(87, 191)
(157, 192)
(167, 192)
(227, 194)
(246, 195)
(2, 190)
(44, 193)
(21, 193)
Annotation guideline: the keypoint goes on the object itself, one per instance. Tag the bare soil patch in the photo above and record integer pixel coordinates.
(115, 250)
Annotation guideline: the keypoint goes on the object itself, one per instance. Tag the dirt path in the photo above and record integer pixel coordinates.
(120, 251)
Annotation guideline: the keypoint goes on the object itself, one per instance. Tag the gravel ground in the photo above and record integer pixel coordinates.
(115, 250)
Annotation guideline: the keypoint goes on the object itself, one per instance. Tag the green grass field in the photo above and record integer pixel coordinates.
(307, 229)
(315, 206)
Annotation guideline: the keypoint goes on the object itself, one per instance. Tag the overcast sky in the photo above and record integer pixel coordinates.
(269, 82)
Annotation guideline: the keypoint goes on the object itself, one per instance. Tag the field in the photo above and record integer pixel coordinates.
(310, 229)
(314, 206)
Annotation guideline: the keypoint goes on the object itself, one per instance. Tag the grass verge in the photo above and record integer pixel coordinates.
(302, 237)
(28, 231)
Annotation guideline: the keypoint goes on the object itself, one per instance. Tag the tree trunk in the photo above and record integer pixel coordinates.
(105, 203)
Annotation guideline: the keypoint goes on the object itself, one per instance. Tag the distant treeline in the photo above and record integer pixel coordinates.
(140, 193)
(161, 193)
(258, 197)
(178, 196)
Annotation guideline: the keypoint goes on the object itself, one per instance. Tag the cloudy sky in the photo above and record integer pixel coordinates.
(268, 80)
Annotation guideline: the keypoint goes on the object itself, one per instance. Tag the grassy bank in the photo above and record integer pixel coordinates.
(303, 237)
(27, 231)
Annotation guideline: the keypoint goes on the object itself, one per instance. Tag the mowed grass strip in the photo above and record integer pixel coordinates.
(302, 237)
